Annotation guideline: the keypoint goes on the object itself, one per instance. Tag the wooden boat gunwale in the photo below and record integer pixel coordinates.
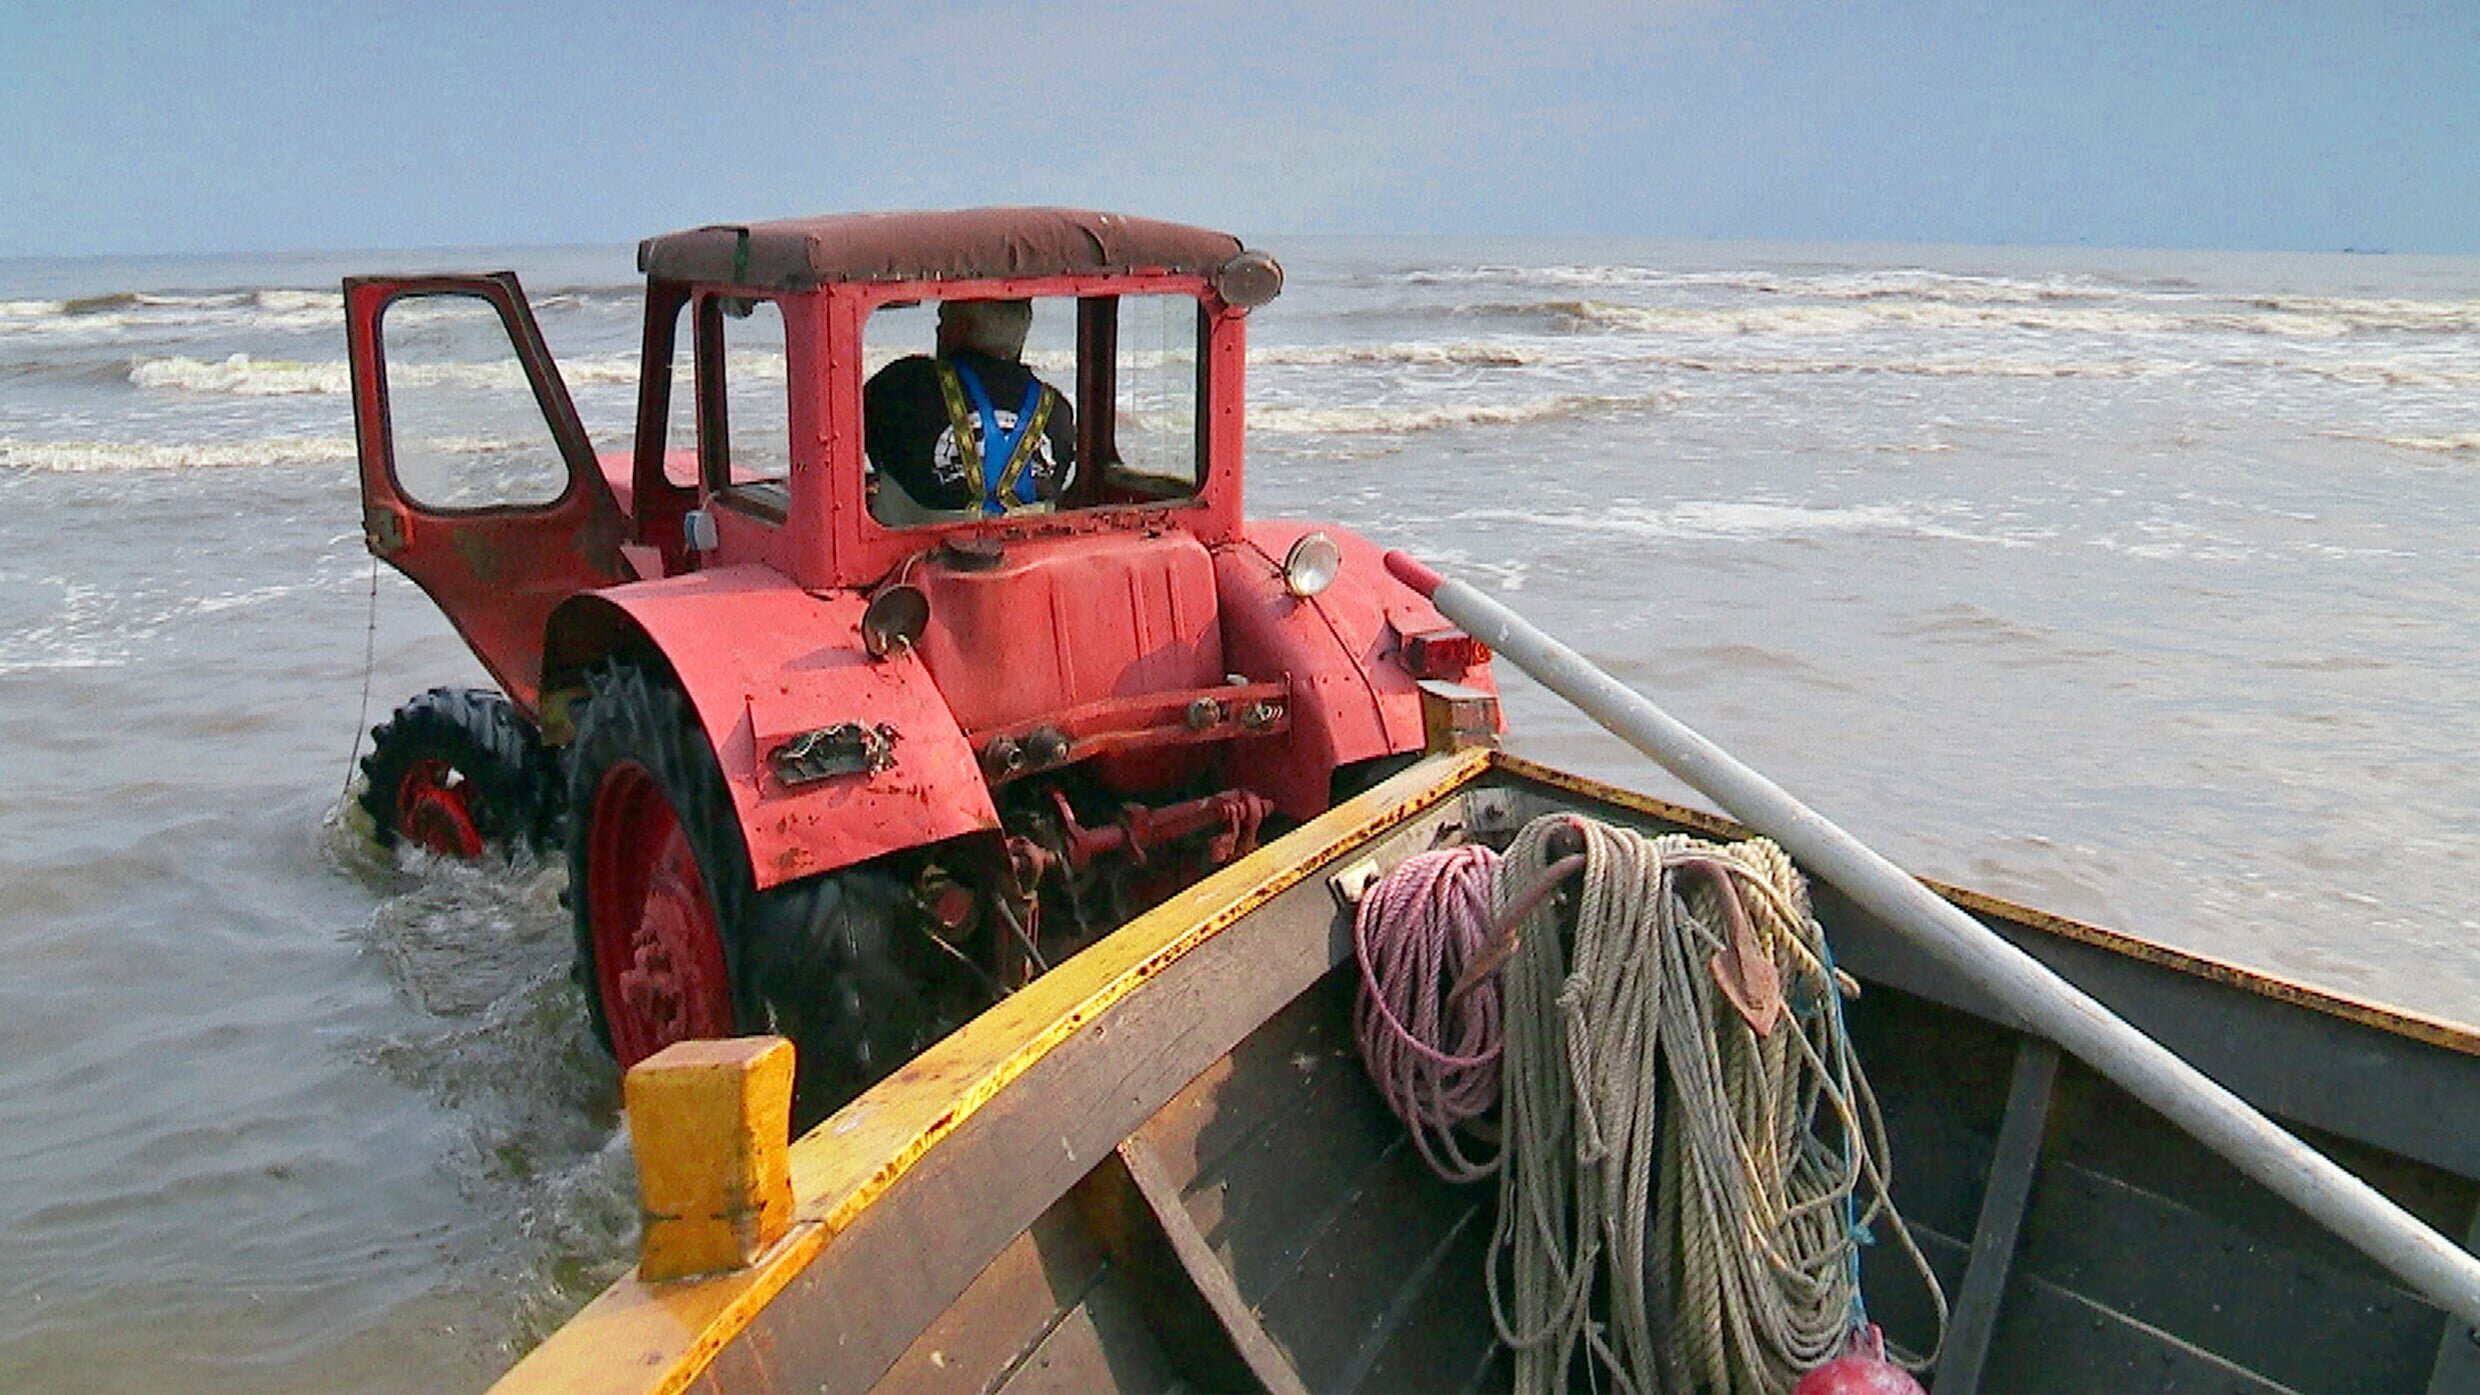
(664, 1337)
(657, 1338)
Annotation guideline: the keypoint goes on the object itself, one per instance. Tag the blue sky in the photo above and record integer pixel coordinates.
(200, 126)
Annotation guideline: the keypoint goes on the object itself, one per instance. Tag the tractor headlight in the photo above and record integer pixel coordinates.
(1311, 565)
(1248, 280)
(894, 620)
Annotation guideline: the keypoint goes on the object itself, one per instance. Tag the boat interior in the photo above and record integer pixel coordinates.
(1192, 1185)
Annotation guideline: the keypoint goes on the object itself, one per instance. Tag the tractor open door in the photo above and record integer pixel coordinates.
(477, 479)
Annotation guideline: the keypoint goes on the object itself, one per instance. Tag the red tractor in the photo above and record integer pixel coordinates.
(834, 752)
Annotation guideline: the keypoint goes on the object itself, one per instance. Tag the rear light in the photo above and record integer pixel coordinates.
(1443, 653)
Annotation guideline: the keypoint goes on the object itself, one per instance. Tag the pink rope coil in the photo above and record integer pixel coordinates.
(1434, 1058)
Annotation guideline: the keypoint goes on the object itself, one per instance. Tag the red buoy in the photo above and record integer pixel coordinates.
(1862, 1369)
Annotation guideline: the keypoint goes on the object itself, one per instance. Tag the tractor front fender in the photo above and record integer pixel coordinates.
(765, 663)
(1352, 698)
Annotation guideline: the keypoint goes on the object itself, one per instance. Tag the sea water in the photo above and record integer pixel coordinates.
(2136, 586)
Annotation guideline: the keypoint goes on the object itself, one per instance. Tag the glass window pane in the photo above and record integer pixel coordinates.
(921, 469)
(755, 450)
(1157, 407)
(463, 422)
(680, 415)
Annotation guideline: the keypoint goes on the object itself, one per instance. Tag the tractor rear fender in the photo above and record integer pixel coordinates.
(764, 663)
(1352, 698)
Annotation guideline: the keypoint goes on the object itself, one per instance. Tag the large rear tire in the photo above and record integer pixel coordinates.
(457, 772)
(673, 940)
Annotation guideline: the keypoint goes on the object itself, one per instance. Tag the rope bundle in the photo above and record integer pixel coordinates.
(1660, 1151)
(1418, 931)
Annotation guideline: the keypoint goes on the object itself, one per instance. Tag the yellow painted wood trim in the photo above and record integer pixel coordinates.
(2431, 1031)
(656, 1339)
(707, 1121)
(841, 1166)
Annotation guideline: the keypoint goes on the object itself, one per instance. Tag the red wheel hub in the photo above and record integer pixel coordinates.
(433, 813)
(658, 950)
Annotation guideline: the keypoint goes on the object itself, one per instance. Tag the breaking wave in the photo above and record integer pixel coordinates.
(1971, 367)
(2381, 373)
(1908, 283)
(1468, 354)
(2452, 443)
(243, 375)
(1353, 421)
(1816, 315)
(278, 309)
(101, 457)
(1754, 520)
(240, 375)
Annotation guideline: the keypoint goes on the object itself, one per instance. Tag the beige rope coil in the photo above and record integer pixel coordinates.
(1662, 1150)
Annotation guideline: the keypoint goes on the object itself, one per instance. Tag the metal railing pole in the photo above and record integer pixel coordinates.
(2431, 1264)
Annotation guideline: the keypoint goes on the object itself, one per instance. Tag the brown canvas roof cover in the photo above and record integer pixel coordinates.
(800, 253)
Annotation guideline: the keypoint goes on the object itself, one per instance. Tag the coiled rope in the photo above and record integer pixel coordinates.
(1660, 1150)
(1417, 931)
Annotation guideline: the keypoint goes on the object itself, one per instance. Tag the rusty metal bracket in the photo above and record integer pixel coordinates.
(385, 530)
(847, 748)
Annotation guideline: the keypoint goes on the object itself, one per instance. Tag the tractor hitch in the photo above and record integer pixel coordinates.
(1232, 816)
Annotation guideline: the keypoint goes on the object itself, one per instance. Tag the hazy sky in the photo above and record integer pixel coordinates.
(207, 126)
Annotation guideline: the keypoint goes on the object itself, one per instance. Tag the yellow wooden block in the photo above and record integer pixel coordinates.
(709, 1121)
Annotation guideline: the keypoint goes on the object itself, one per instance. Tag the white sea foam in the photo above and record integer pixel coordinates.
(175, 300)
(1758, 520)
(1862, 316)
(79, 634)
(2415, 316)
(1732, 354)
(135, 313)
(99, 457)
(1591, 276)
(2396, 373)
(1332, 421)
(1855, 285)
(242, 375)
(2182, 303)
(2452, 443)
(1466, 354)
(278, 298)
(1961, 367)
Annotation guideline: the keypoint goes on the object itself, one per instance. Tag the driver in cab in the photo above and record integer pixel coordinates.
(969, 432)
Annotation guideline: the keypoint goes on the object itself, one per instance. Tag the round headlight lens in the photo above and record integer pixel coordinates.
(1248, 280)
(894, 619)
(1311, 565)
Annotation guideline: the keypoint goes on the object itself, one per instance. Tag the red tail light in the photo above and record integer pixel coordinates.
(1443, 653)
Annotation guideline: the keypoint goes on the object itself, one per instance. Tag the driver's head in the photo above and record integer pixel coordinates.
(993, 327)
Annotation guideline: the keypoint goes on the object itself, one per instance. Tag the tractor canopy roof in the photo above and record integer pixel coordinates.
(798, 254)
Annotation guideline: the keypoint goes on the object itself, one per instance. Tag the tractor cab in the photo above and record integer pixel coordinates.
(813, 341)
(917, 638)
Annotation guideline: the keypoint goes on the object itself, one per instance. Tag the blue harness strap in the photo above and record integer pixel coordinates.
(1003, 471)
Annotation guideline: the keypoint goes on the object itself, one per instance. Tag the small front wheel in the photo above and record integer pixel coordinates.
(455, 772)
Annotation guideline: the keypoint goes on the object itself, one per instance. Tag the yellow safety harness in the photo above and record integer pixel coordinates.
(997, 460)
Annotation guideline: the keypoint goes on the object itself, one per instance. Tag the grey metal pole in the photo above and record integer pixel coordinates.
(2436, 1267)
